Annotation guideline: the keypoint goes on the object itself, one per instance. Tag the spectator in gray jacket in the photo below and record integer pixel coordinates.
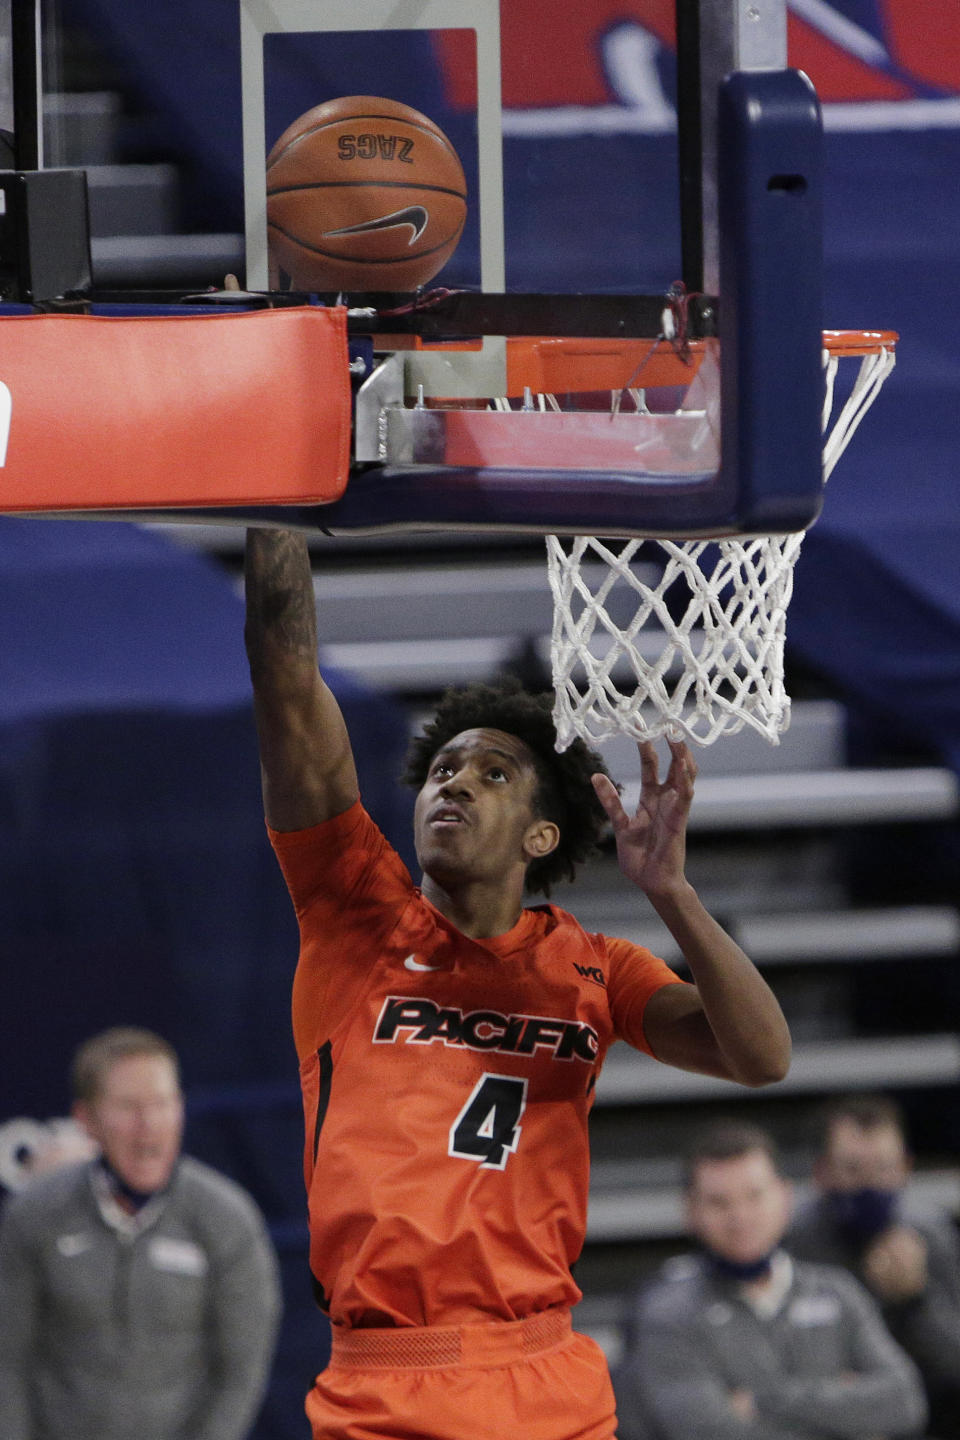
(741, 1342)
(139, 1296)
(906, 1253)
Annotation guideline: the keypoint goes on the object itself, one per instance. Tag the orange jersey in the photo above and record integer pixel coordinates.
(446, 1084)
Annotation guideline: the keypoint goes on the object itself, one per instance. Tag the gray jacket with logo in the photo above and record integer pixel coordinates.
(160, 1329)
(823, 1365)
(928, 1327)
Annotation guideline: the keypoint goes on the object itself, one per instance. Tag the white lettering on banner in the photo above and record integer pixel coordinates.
(6, 410)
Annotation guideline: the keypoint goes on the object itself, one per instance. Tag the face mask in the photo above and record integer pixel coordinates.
(862, 1214)
(136, 1199)
(743, 1271)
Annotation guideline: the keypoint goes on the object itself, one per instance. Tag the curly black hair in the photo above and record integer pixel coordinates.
(564, 794)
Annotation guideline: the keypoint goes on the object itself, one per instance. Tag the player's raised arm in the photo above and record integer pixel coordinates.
(728, 1023)
(306, 762)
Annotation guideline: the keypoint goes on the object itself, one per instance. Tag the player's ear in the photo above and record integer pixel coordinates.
(542, 837)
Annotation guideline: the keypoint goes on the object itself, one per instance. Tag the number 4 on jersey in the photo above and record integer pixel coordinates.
(487, 1128)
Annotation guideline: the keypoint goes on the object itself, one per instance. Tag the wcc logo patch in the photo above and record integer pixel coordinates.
(412, 1021)
(591, 972)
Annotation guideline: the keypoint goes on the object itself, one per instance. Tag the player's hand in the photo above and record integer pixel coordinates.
(652, 844)
(895, 1265)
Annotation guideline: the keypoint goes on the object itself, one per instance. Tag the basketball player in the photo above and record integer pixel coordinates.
(450, 1039)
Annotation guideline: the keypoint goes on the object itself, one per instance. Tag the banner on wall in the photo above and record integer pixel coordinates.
(606, 66)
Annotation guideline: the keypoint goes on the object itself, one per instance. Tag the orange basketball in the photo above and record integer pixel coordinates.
(363, 194)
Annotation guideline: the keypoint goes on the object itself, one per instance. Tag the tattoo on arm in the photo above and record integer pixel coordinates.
(281, 610)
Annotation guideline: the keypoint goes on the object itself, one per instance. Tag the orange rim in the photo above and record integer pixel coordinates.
(859, 342)
(548, 365)
(557, 365)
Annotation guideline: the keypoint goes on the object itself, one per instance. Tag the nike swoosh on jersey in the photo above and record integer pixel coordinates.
(416, 216)
(412, 963)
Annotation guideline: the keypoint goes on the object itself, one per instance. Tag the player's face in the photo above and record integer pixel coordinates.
(739, 1208)
(137, 1120)
(474, 817)
(859, 1158)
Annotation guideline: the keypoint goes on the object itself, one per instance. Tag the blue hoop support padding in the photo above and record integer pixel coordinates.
(770, 203)
(770, 478)
(539, 501)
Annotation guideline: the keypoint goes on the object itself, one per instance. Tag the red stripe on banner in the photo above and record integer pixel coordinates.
(924, 38)
(156, 411)
(836, 74)
(554, 57)
(550, 56)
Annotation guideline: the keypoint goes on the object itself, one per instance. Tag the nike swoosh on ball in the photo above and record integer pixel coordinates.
(413, 215)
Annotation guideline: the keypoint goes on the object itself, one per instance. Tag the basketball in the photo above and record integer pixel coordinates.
(363, 194)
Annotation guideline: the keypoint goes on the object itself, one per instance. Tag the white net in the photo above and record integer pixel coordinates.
(684, 638)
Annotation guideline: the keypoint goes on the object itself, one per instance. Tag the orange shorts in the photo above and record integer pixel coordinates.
(529, 1379)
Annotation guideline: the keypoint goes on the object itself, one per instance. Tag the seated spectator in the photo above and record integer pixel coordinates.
(741, 1342)
(139, 1296)
(907, 1254)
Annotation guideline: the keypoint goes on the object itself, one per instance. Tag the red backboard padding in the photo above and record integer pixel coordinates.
(101, 412)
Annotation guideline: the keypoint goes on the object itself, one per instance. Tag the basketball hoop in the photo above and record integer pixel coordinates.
(685, 639)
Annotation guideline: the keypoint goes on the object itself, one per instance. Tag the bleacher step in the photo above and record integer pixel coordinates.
(831, 937)
(818, 1067)
(634, 1211)
(138, 261)
(793, 799)
(132, 199)
(81, 127)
